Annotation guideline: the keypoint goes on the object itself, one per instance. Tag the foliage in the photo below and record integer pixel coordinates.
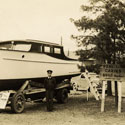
(94, 68)
(106, 30)
(91, 68)
(85, 54)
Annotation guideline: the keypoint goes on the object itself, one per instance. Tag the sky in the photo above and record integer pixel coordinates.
(46, 20)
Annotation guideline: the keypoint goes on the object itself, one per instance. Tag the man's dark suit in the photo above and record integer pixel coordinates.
(50, 85)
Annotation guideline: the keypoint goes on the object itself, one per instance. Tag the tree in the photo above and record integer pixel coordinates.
(106, 30)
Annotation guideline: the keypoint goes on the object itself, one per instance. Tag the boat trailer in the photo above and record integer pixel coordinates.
(17, 99)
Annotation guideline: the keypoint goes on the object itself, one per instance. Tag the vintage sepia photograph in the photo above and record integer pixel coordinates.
(62, 62)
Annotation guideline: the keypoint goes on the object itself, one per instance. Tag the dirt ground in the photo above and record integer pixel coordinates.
(77, 111)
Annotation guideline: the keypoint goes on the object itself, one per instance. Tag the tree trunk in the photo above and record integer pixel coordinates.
(116, 94)
(109, 88)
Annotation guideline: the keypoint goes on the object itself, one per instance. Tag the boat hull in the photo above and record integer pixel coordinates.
(15, 84)
(16, 67)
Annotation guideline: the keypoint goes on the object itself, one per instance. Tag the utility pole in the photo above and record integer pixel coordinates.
(61, 40)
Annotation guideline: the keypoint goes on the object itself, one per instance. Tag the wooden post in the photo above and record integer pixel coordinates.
(103, 97)
(119, 96)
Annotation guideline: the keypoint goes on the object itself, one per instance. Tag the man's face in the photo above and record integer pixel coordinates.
(49, 74)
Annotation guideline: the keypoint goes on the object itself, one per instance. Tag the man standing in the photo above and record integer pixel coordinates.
(50, 85)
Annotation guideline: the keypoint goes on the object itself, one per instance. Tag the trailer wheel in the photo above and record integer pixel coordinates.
(18, 103)
(62, 96)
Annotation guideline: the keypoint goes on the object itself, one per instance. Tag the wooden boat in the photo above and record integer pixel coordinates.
(22, 60)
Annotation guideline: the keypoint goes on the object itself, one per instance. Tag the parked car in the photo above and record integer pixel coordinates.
(81, 83)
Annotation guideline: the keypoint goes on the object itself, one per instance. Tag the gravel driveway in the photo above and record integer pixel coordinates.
(77, 111)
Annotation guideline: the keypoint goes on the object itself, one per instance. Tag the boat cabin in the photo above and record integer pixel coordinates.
(35, 46)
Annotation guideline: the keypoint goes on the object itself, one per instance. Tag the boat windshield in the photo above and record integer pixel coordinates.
(22, 47)
(18, 47)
